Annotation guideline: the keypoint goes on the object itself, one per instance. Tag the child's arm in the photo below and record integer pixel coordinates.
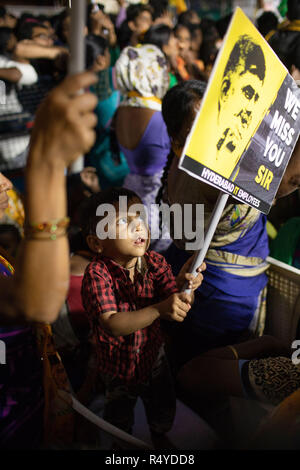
(99, 300)
(174, 308)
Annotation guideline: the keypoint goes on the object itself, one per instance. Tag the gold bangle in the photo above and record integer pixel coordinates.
(236, 356)
(49, 227)
(44, 236)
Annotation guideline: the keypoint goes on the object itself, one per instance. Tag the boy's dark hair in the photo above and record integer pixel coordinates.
(77, 241)
(94, 46)
(159, 35)
(26, 29)
(89, 208)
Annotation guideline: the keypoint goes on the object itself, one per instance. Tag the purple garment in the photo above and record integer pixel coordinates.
(21, 393)
(121, 17)
(150, 156)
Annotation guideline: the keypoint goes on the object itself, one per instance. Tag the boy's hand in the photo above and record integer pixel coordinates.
(184, 275)
(175, 307)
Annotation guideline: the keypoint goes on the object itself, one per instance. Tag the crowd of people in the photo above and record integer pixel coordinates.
(84, 313)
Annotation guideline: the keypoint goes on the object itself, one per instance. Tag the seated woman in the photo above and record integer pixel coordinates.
(142, 77)
(260, 369)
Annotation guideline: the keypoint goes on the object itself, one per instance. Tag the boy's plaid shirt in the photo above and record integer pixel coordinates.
(107, 287)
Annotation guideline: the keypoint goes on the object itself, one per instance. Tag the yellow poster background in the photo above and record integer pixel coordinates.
(236, 100)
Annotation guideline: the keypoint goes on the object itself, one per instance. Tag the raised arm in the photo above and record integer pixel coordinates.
(28, 49)
(63, 130)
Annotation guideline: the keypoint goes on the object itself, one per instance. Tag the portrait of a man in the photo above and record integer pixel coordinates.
(240, 93)
(235, 110)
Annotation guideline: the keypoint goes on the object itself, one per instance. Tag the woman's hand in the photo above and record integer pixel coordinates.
(65, 122)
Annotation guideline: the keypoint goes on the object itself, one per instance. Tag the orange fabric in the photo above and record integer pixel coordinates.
(182, 69)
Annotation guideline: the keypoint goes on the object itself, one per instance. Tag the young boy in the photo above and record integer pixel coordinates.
(126, 290)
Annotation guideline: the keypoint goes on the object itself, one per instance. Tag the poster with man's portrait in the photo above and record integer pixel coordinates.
(248, 122)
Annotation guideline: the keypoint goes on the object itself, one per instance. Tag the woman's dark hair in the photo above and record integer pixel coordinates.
(194, 27)
(186, 17)
(124, 35)
(222, 24)
(12, 229)
(5, 35)
(89, 10)
(58, 24)
(94, 46)
(133, 11)
(296, 55)
(293, 10)
(181, 25)
(178, 104)
(2, 12)
(267, 22)
(42, 18)
(177, 107)
(159, 35)
(159, 7)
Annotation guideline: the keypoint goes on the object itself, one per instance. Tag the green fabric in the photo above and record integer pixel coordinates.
(283, 8)
(173, 80)
(284, 245)
(114, 55)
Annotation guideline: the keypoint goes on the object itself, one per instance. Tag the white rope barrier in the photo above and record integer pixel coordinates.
(109, 428)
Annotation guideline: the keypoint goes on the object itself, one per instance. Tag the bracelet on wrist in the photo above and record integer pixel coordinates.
(44, 236)
(47, 230)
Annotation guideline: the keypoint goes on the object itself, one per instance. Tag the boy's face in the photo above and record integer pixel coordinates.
(127, 235)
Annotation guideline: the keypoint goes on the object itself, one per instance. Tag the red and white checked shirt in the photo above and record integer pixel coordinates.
(107, 287)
